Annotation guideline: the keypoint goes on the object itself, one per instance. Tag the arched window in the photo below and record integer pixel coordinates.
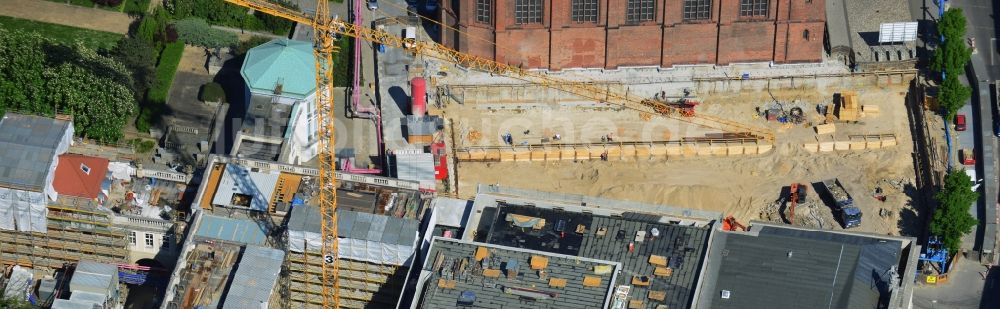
(805, 34)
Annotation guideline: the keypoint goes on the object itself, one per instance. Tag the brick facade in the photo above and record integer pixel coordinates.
(791, 32)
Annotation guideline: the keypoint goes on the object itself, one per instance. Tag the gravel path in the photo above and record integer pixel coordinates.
(65, 14)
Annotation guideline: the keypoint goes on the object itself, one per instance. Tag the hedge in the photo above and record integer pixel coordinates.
(170, 58)
(156, 99)
(212, 92)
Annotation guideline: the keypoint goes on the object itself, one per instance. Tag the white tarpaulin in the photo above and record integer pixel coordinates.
(24, 210)
(121, 170)
(298, 241)
(374, 252)
(6, 211)
(64, 143)
(449, 211)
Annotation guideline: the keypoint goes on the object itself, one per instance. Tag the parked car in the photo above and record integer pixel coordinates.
(431, 5)
(411, 10)
(968, 156)
(373, 5)
(996, 129)
(960, 122)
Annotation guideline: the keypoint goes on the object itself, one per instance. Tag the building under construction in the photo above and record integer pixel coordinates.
(245, 204)
(40, 227)
(510, 252)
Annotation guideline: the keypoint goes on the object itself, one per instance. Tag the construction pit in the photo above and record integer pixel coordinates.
(873, 151)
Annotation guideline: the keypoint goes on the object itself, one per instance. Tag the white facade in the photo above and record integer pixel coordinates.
(298, 142)
(149, 238)
(302, 145)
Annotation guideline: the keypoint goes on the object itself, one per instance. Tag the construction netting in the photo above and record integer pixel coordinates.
(22, 210)
(374, 252)
(298, 241)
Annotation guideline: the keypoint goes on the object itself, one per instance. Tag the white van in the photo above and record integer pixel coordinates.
(409, 37)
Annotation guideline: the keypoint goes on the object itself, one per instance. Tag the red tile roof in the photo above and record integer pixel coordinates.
(71, 180)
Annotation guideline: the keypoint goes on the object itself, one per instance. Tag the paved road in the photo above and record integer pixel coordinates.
(966, 286)
(65, 14)
(981, 27)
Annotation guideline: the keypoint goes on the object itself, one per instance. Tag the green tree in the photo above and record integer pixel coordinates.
(951, 219)
(196, 31)
(953, 95)
(153, 25)
(952, 56)
(11, 303)
(38, 75)
(138, 57)
(952, 25)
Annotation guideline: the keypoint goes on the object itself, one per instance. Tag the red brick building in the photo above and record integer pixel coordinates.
(558, 34)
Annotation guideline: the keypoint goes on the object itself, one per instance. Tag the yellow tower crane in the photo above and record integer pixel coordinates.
(323, 39)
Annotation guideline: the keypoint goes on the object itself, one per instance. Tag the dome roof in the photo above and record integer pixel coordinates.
(288, 62)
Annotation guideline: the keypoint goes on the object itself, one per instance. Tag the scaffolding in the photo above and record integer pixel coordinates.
(362, 284)
(76, 231)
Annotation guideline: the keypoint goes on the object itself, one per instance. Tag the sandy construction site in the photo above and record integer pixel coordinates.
(745, 186)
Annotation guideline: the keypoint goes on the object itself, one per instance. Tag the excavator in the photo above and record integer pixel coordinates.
(327, 29)
(730, 224)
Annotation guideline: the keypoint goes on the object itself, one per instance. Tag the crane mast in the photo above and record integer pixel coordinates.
(323, 51)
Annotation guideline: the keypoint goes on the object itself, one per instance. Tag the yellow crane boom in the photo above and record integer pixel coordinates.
(583, 89)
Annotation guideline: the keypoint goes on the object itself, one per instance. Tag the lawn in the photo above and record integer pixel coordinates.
(90, 38)
(342, 62)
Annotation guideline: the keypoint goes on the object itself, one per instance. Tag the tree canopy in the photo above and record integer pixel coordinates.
(38, 75)
(951, 219)
(953, 95)
(225, 14)
(951, 56)
(196, 31)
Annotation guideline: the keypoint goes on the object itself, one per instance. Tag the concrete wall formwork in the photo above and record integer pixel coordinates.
(854, 142)
(611, 152)
(790, 32)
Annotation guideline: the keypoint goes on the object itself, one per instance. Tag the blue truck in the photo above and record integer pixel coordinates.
(843, 203)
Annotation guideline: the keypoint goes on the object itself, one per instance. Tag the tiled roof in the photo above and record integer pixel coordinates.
(517, 284)
(284, 61)
(609, 238)
(72, 179)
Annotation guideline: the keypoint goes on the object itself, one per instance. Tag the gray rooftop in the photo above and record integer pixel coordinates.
(855, 23)
(266, 118)
(422, 125)
(490, 293)
(94, 277)
(305, 218)
(793, 268)
(28, 146)
(683, 246)
(259, 150)
(255, 278)
(417, 167)
(376, 228)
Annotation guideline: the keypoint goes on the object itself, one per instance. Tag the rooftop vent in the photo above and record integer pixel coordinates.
(85, 168)
(725, 294)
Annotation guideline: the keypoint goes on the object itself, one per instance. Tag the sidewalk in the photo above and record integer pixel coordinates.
(65, 14)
